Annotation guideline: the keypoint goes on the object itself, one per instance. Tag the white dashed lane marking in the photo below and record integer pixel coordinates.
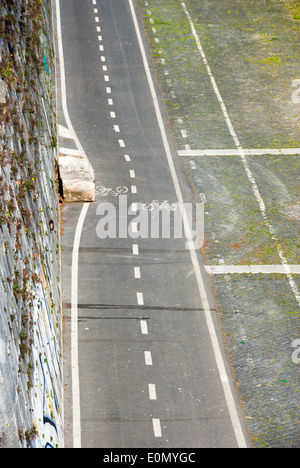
(152, 392)
(137, 272)
(144, 327)
(140, 298)
(148, 358)
(156, 427)
(135, 248)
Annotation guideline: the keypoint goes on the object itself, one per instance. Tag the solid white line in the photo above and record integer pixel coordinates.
(251, 269)
(235, 152)
(148, 358)
(205, 304)
(74, 331)
(244, 160)
(144, 327)
(156, 427)
(140, 298)
(152, 392)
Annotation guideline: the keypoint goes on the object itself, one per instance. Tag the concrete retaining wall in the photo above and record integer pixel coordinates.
(31, 400)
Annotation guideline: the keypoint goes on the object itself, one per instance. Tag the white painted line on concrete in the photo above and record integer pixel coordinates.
(244, 160)
(133, 189)
(97, 19)
(140, 298)
(135, 249)
(137, 272)
(102, 58)
(251, 269)
(74, 331)
(110, 102)
(106, 78)
(100, 38)
(70, 152)
(113, 115)
(108, 90)
(204, 299)
(101, 48)
(117, 128)
(122, 144)
(127, 157)
(148, 358)
(236, 152)
(144, 327)
(156, 427)
(64, 132)
(132, 174)
(152, 392)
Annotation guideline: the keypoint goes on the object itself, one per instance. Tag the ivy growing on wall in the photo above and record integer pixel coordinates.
(27, 174)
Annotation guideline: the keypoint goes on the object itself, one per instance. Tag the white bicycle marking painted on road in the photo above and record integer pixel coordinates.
(114, 192)
(161, 205)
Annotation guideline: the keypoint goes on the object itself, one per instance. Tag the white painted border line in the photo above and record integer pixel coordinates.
(204, 299)
(74, 331)
(251, 269)
(235, 152)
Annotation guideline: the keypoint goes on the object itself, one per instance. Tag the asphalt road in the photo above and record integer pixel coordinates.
(147, 339)
(229, 73)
